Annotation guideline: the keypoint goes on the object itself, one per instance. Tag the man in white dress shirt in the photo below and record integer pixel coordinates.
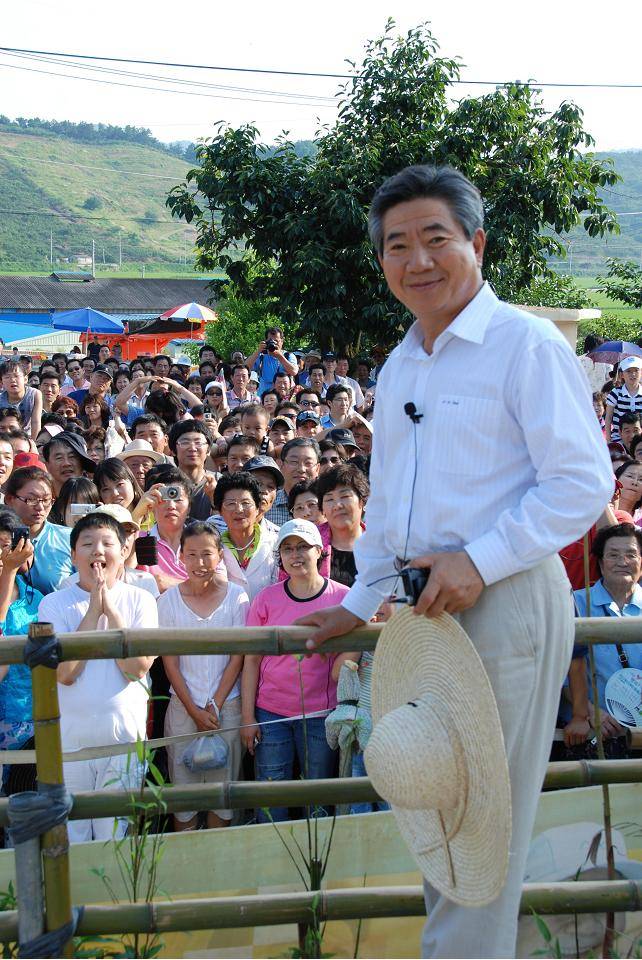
(502, 465)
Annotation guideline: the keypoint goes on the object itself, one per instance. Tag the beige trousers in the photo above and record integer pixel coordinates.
(522, 628)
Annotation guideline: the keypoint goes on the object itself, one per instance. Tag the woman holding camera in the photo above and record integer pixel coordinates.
(18, 608)
(168, 496)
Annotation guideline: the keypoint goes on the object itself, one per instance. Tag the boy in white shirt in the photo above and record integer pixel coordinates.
(101, 701)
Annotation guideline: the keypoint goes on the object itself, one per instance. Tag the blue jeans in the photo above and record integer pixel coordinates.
(359, 770)
(281, 743)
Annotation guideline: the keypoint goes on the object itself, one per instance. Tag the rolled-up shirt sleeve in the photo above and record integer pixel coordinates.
(574, 476)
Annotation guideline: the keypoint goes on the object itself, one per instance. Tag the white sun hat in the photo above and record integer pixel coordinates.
(307, 531)
(437, 755)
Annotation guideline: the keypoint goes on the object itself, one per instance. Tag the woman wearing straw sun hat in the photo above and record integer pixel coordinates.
(487, 459)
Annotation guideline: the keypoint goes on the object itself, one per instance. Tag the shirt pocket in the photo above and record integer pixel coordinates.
(467, 435)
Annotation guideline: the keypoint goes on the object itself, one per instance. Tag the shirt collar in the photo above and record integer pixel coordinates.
(470, 324)
(600, 596)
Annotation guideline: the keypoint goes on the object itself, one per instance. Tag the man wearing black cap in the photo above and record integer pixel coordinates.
(99, 385)
(270, 480)
(308, 424)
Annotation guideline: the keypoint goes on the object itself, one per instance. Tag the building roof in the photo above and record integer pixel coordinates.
(115, 295)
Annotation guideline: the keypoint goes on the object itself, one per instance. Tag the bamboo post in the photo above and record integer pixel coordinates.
(55, 842)
(29, 894)
(609, 928)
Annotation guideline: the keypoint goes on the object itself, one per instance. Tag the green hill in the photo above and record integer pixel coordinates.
(108, 192)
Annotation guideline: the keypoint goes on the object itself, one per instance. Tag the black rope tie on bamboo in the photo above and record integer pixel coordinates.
(51, 944)
(42, 651)
(31, 814)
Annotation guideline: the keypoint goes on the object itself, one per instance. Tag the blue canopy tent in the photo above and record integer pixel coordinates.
(86, 320)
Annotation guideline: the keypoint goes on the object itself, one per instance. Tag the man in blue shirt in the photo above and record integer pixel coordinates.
(269, 358)
(617, 593)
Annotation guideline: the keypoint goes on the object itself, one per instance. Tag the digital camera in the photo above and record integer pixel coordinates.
(171, 492)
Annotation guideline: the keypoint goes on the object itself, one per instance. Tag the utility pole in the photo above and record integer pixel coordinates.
(93, 258)
(51, 247)
(120, 252)
(185, 247)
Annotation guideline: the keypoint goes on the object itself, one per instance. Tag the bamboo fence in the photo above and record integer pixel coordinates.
(340, 904)
(284, 908)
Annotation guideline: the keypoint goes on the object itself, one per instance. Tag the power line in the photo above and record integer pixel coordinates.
(304, 73)
(193, 83)
(140, 86)
(88, 166)
(80, 216)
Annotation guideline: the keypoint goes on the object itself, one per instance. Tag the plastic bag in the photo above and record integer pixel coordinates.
(207, 753)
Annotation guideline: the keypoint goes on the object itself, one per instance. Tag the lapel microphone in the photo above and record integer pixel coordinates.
(411, 411)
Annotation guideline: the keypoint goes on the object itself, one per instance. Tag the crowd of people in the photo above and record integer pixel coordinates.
(145, 493)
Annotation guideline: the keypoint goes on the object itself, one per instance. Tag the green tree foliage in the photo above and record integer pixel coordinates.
(553, 290)
(308, 214)
(623, 282)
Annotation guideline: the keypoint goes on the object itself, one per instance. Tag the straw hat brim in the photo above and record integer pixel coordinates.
(416, 657)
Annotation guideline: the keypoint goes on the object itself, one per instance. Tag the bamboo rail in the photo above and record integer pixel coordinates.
(343, 904)
(111, 644)
(240, 795)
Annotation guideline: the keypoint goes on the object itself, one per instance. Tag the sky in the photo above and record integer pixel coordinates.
(551, 42)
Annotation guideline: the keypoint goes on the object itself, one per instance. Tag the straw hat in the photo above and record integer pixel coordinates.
(437, 755)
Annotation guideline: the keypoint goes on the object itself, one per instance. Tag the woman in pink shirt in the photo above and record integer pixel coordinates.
(282, 687)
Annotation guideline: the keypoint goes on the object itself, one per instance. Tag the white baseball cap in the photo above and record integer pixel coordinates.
(629, 362)
(300, 528)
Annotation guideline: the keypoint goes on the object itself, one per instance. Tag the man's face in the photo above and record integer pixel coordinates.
(104, 354)
(207, 370)
(240, 379)
(207, 354)
(316, 379)
(632, 379)
(621, 564)
(63, 463)
(309, 428)
(6, 460)
(61, 365)
(282, 386)
(26, 365)
(363, 437)
(278, 339)
(339, 406)
(99, 383)
(139, 466)
(309, 401)
(153, 434)
(10, 423)
(301, 463)
(428, 262)
(161, 367)
(75, 371)
(49, 389)
(14, 380)
(342, 367)
(191, 450)
(628, 431)
(330, 366)
(238, 457)
(88, 365)
(279, 434)
(267, 483)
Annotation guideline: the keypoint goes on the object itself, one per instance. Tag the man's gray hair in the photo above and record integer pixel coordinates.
(424, 180)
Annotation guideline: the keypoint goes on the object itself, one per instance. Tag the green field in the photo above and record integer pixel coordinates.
(82, 192)
(602, 302)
